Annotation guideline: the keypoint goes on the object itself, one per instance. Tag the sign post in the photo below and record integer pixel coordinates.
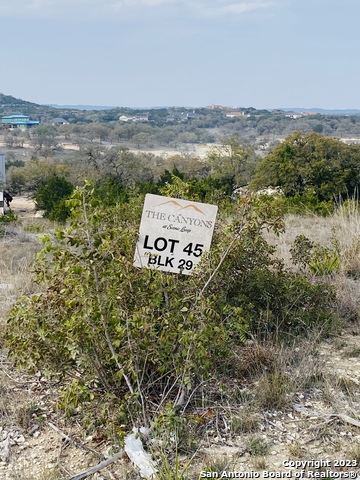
(174, 233)
(2, 182)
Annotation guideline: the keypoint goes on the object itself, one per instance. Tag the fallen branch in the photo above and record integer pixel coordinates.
(100, 466)
(347, 419)
(72, 440)
(331, 416)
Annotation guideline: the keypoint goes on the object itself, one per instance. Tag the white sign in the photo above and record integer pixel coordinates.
(174, 233)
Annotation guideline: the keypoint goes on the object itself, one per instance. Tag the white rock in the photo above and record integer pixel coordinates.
(5, 450)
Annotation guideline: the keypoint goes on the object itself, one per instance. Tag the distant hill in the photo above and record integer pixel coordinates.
(9, 101)
(100, 107)
(10, 105)
(81, 107)
(322, 111)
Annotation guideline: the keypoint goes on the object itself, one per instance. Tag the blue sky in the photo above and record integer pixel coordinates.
(259, 53)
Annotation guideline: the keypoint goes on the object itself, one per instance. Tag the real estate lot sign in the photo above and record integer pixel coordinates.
(174, 233)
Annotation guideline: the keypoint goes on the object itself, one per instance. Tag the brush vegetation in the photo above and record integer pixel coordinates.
(144, 347)
(132, 341)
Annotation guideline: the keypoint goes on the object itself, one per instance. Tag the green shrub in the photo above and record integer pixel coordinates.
(51, 195)
(139, 340)
(310, 168)
(324, 262)
(8, 217)
(110, 190)
(258, 446)
(318, 259)
(302, 204)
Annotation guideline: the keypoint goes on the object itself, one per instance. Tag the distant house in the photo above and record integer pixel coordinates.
(143, 117)
(235, 114)
(192, 115)
(59, 121)
(182, 115)
(18, 121)
(294, 114)
(217, 107)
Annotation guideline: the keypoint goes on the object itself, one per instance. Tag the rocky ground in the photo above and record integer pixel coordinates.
(321, 423)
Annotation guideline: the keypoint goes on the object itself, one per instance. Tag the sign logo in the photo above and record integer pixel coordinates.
(174, 233)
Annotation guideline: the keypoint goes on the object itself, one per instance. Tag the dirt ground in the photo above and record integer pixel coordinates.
(194, 149)
(311, 429)
(24, 206)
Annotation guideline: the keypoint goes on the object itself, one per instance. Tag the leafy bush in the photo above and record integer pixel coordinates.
(51, 195)
(8, 217)
(308, 201)
(111, 191)
(318, 259)
(301, 204)
(139, 340)
(311, 163)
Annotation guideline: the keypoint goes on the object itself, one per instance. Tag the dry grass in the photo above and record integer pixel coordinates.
(17, 254)
(355, 452)
(273, 390)
(343, 226)
(259, 463)
(256, 357)
(296, 451)
(217, 464)
(305, 365)
(245, 422)
(340, 231)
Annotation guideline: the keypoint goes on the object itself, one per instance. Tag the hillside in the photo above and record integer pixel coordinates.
(11, 105)
(10, 101)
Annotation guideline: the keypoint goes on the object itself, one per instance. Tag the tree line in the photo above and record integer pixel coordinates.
(310, 170)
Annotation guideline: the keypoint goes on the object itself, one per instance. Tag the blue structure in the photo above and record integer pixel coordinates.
(18, 121)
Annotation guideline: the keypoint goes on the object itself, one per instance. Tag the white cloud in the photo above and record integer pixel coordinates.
(226, 7)
(244, 7)
(112, 8)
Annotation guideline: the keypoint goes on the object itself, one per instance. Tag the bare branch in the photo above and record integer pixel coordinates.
(100, 466)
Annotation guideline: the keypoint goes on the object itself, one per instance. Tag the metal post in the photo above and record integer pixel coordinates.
(2, 181)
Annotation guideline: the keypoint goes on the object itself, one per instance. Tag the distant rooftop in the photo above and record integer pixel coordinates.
(15, 116)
